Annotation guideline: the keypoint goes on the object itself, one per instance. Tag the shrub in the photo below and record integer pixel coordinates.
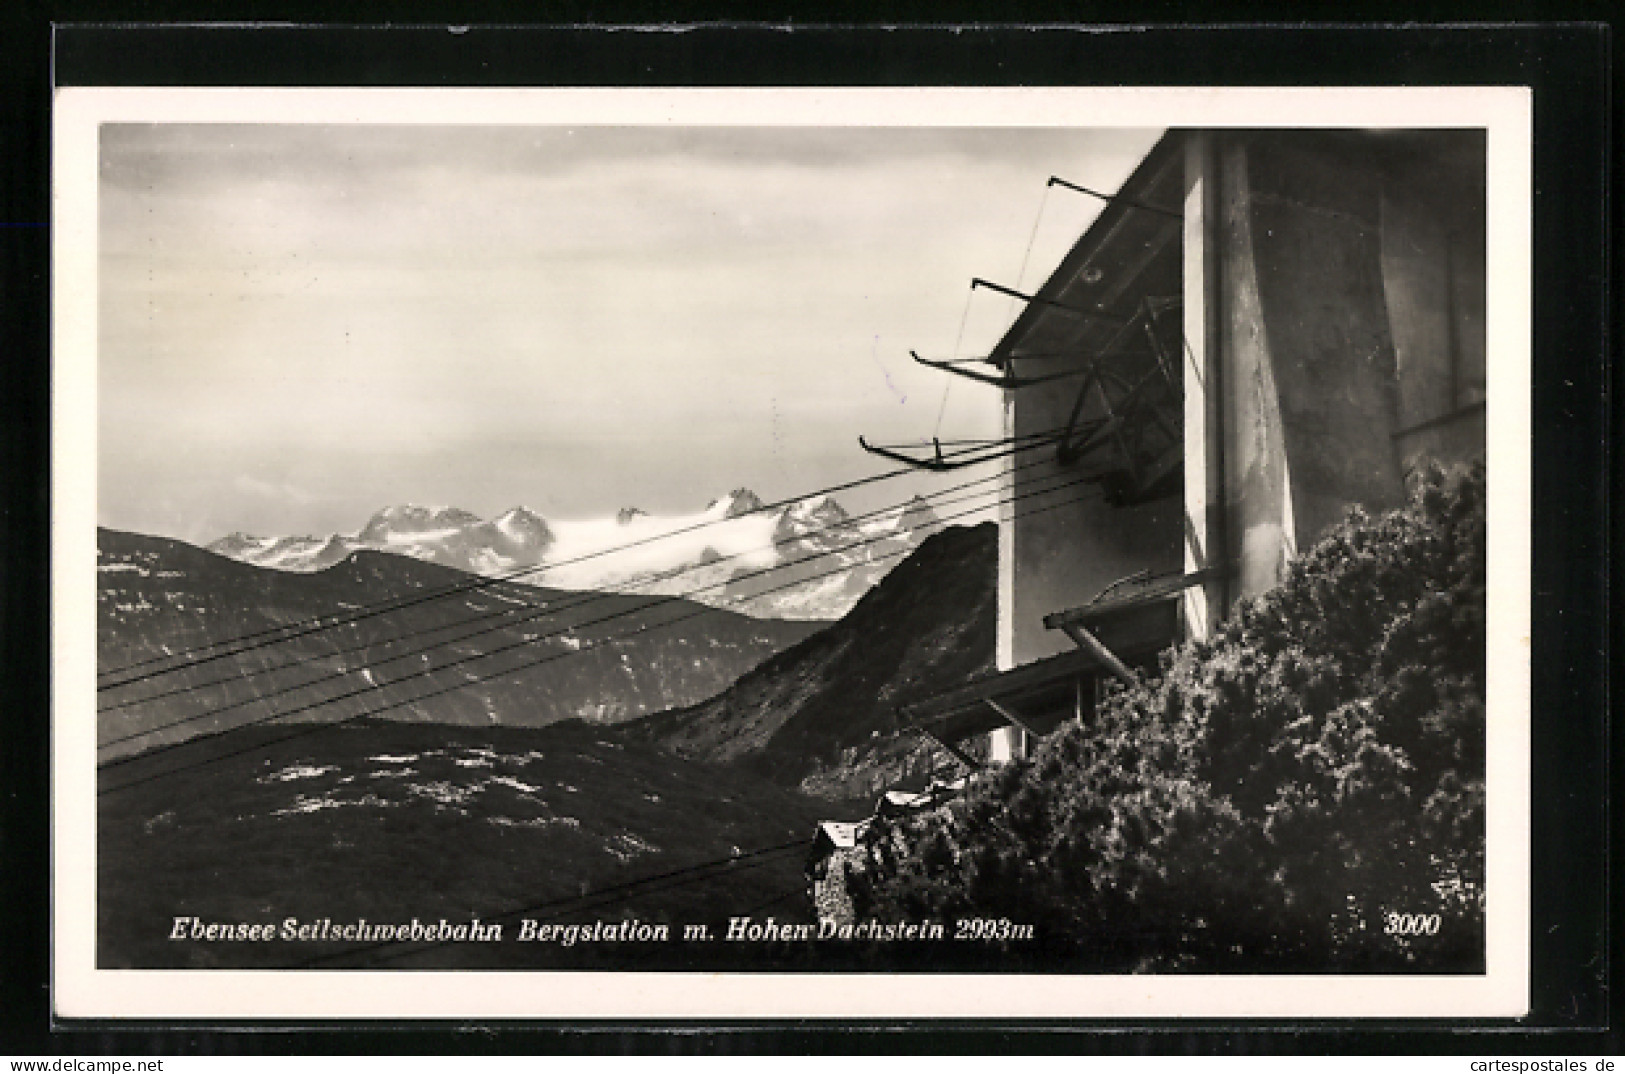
(1269, 799)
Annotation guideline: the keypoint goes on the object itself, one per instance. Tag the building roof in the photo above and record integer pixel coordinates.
(1107, 327)
(1134, 619)
(1127, 595)
(1129, 252)
(838, 835)
(894, 802)
(1042, 687)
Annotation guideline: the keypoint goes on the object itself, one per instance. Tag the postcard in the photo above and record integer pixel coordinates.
(1021, 553)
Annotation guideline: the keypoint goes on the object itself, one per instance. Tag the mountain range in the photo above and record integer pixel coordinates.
(807, 560)
(420, 641)
(649, 737)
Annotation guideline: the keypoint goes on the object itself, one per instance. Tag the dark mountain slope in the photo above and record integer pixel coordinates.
(599, 657)
(388, 822)
(821, 713)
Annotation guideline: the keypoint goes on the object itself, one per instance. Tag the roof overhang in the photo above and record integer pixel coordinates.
(1044, 689)
(1135, 616)
(1133, 621)
(1130, 252)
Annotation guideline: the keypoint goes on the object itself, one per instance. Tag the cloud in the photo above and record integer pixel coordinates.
(281, 491)
(587, 319)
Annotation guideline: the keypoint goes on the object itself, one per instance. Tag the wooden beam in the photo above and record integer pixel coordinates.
(954, 751)
(1138, 589)
(1011, 717)
(1091, 644)
(1050, 671)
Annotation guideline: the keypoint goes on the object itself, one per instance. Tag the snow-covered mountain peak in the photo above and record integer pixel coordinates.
(520, 520)
(237, 543)
(916, 514)
(519, 533)
(808, 560)
(301, 553)
(737, 503)
(818, 511)
(410, 518)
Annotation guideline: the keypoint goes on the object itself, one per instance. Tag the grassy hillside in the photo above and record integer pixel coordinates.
(388, 821)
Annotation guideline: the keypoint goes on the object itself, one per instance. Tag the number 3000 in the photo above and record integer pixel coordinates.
(1410, 924)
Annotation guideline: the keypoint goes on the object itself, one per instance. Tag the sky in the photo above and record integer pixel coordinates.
(300, 324)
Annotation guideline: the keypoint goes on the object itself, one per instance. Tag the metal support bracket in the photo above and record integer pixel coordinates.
(1006, 380)
(1099, 315)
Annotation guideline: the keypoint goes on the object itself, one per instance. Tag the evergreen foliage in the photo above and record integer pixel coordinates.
(1267, 802)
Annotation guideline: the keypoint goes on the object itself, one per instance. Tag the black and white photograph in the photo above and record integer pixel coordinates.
(1044, 553)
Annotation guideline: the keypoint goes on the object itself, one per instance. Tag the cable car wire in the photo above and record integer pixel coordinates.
(536, 611)
(415, 699)
(525, 642)
(315, 624)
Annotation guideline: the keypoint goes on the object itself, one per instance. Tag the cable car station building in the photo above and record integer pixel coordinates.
(1259, 329)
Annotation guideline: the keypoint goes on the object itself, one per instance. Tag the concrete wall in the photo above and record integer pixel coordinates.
(1258, 487)
(1350, 334)
(1433, 270)
(1207, 542)
(1313, 217)
(1333, 319)
(1063, 557)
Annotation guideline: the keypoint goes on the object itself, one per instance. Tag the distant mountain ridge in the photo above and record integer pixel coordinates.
(806, 560)
(402, 630)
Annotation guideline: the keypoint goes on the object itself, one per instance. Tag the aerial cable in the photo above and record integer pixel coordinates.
(544, 608)
(323, 622)
(534, 613)
(1021, 273)
(512, 616)
(605, 642)
(942, 407)
(346, 673)
(317, 727)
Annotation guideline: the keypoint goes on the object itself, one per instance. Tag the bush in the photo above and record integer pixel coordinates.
(1273, 796)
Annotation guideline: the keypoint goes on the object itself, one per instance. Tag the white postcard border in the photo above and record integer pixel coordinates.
(80, 990)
